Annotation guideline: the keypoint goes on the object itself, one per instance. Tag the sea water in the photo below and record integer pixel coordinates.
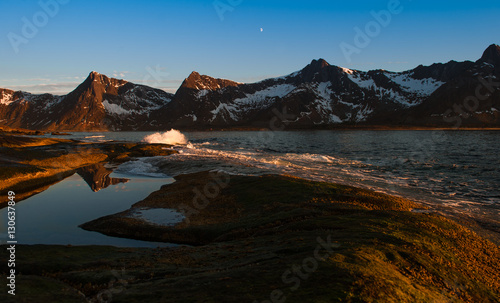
(457, 170)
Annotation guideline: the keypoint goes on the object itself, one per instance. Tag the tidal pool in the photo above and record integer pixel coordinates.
(53, 216)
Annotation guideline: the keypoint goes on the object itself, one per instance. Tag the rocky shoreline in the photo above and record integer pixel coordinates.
(31, 164)
(255, 238)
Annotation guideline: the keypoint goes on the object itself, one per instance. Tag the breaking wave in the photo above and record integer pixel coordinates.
(172, 137)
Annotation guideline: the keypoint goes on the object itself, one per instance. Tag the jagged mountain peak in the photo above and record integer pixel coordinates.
(96, 76)
(197, 81)
(193, 80)
(194, 74)
(491, 54)
(319, 63)
(98, 103)
(99, 84)
(193, 77)
(318, 70)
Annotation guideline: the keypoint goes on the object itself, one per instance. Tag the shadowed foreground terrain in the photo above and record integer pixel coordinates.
(269, 239)
(29, 165)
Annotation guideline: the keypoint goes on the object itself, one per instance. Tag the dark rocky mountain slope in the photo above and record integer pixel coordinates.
(453, 94)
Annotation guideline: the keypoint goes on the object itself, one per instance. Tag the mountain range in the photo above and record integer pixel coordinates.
(453, 94)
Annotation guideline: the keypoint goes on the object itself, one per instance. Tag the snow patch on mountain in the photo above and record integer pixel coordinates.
(347, 71)
(335, 119)
(351, 105)
(421, 87)
(6, 98)
(389, 94)
(54, 101)
(258, 99)
(114, 109)
(138, 100)
(363, 114)
(119, 84)
(322, 106)
(324, 90)
(202, 93)
(292, 75)
(223, 108)
(408, 91)
(362, 80)
(279, 90)
(201, 86)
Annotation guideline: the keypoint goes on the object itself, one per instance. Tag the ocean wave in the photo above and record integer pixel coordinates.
(172, 137)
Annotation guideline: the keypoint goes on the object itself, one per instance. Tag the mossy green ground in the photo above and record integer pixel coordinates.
(273, 238)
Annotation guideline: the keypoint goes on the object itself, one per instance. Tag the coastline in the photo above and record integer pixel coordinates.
(255, 238)
(31, 164)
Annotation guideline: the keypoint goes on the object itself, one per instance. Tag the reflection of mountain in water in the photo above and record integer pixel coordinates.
(97, 177)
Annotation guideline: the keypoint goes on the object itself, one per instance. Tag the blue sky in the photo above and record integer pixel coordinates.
(159, 43)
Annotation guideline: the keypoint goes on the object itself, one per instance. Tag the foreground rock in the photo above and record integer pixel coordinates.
(30, 165)
(271, 238)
